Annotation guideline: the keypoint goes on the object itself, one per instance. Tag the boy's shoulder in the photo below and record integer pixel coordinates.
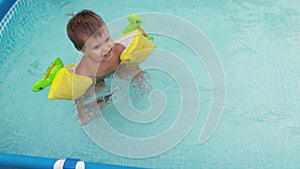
(119, 48)
(82, 68)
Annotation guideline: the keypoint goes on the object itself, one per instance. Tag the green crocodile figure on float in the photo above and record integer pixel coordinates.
(135, 22)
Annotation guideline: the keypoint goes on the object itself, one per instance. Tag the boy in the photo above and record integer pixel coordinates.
(90, 36)
(101, 56)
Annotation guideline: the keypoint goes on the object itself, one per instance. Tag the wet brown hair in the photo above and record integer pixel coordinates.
(82, 26)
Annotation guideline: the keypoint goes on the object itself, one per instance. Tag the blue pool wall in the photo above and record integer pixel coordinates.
(31, 162)
(5, 5)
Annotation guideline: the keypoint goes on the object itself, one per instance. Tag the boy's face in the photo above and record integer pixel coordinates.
(99, 48)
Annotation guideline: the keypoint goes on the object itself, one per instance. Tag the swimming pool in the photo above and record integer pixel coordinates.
(257, 44)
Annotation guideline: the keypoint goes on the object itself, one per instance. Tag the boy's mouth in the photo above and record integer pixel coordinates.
(107, 55)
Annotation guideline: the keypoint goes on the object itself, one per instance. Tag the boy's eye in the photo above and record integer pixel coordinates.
(96, 47)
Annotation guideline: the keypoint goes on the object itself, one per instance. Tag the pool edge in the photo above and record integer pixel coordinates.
(33, 162)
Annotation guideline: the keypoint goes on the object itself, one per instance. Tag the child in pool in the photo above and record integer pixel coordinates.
(101, 56)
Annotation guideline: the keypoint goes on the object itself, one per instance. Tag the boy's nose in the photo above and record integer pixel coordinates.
(108, 47)
(105, 51)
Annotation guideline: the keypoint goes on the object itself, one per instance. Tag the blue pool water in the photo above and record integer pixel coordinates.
(258, 47)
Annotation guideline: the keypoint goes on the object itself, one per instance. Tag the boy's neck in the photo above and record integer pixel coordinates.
(95, 68)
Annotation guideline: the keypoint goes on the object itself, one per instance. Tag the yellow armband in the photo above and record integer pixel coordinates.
(67, 85)
(138, 47)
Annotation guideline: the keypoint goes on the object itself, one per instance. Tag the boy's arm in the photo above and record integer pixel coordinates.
(82, 114)
(82, 105)
(87, 107)
(132, 71)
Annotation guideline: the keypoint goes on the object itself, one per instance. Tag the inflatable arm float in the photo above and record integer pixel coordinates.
(49, 75)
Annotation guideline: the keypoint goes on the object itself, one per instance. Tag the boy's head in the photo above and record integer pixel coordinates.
(82, 26)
